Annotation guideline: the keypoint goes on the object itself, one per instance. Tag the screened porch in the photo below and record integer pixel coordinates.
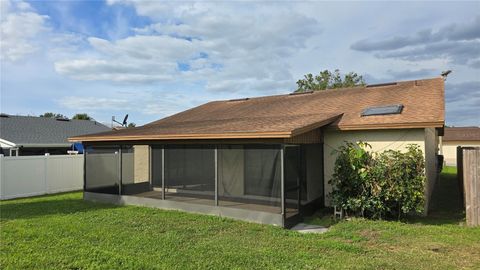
(266, 183)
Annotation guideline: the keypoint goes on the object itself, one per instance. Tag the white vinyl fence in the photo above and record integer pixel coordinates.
(25, 176)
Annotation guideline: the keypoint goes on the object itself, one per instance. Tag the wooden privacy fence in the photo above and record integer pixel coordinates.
(26, 176)
(468, 169)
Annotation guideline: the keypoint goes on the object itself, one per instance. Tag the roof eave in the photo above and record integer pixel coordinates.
(233, 135)
(437, 124)
(36, 145)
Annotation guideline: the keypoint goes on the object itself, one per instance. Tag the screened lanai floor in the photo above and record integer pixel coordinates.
(258, 205)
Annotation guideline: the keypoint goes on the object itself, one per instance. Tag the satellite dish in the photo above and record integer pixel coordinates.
(124, 123)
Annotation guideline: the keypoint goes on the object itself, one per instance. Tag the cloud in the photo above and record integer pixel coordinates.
(463, 103)
(164, 57)
(20, 28)
(225, 47)
(452, 32)
(368, 45)
(114, 70)
(401, 75)
(459, 52)
(459, 44)
(462, 113)
(463, 91)
(93, 103)
(152, 103)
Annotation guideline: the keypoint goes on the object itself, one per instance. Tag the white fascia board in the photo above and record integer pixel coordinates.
(6, 144)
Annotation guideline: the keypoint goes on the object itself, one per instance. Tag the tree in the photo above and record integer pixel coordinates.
(328, 80)
(82, 116)
(131, 125)
(52, 115)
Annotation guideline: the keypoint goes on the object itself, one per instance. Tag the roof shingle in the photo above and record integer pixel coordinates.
(284, 116)
(31, 130)
(462, 134)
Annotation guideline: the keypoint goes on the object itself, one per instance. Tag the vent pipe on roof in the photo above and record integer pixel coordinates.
(300, 93)
(380, 84)
(445, 74)
(239, 99)
(62, 119)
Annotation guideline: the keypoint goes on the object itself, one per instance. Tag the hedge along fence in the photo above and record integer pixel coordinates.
(378, 185)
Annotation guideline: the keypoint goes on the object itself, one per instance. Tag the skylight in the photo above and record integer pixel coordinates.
(383, 110)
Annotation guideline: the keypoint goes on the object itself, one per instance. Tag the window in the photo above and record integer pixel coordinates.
(383, 110)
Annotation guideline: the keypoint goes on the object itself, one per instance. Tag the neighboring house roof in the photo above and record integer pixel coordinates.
(462, 134)
(285, 116)
(42, 132)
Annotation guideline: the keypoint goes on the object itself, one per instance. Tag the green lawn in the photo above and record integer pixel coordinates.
(63, 231)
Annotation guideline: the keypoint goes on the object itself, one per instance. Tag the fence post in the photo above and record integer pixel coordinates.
(460, 174)
(471, 178)
(45, 174)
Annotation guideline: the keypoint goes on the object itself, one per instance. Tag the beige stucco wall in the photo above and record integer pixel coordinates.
(380, 140)
(141, 163)
(449, 150)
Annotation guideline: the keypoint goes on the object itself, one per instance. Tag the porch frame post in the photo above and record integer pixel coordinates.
(120, 170)
(84, 168)
(163, 172)
(282, 181)
(216, 175)
(150, 168)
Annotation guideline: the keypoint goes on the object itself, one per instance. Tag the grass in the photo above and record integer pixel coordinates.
(63, 231)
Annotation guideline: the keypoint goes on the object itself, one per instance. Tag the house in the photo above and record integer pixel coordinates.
(458, 136)
(265, 159)
(30, 135)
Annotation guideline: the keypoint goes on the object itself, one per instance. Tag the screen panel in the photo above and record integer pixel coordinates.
(102, 171)
(292, 178)
(190, 173)
(249, 177)
(156, 166)
(262, 171)
(136, 170)
(313, 173)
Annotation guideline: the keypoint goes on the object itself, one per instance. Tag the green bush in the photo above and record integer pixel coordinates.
(378, 185)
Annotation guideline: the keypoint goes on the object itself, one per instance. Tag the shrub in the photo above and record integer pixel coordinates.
(378, 185)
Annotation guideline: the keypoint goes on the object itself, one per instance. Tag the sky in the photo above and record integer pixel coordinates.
(152, 59)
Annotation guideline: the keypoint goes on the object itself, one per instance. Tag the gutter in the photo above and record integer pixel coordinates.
(43, 145)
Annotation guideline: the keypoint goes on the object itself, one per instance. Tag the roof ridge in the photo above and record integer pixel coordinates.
(41, 117)
(391, 83)
(244, 118)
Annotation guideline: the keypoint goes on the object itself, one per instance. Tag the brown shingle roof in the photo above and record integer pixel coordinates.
(285, 116)
(462, 134)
